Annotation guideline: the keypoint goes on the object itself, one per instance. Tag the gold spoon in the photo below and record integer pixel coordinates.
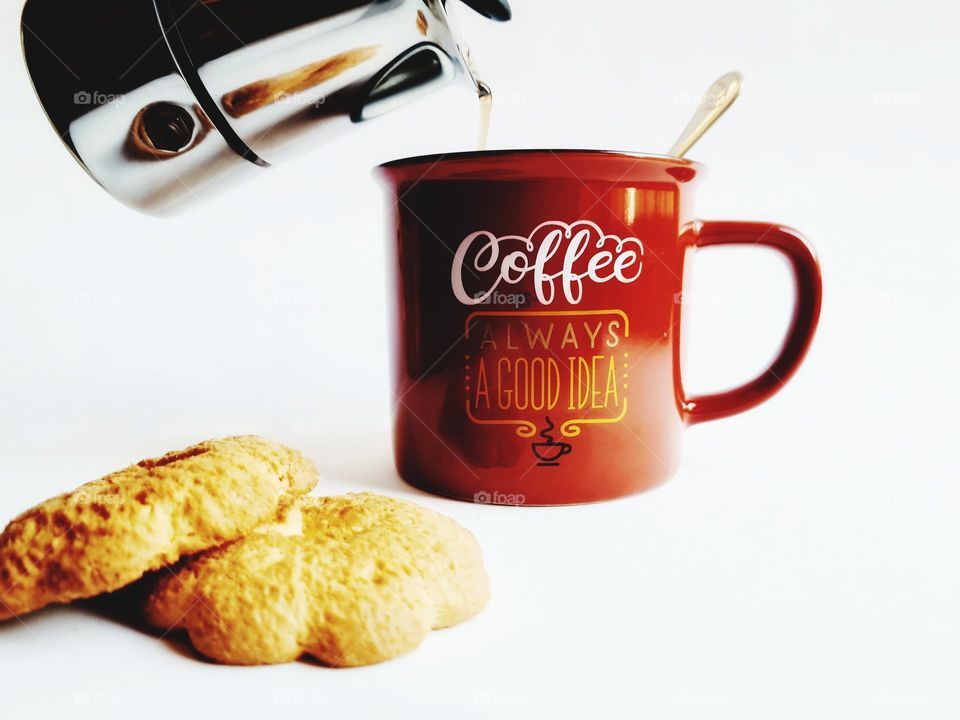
(719, 97)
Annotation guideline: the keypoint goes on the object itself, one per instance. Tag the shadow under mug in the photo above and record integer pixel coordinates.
(538, 309)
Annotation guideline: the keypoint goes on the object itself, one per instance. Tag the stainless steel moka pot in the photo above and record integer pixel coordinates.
(165, 101)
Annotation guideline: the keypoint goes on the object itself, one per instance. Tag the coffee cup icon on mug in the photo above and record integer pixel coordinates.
(549, 452)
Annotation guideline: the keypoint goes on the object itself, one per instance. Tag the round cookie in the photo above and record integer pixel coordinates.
(366, 580)
(110, 532)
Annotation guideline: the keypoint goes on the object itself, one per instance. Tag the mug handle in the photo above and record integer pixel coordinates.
(806, 313)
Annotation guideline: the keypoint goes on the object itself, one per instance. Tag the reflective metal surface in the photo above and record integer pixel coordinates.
(163, 101)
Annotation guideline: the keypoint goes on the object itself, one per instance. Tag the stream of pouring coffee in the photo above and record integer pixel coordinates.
(486, 108)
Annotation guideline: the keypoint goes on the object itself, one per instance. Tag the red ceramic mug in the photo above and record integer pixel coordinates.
(537, 322)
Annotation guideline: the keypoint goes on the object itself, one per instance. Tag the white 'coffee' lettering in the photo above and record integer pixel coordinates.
(587, 253)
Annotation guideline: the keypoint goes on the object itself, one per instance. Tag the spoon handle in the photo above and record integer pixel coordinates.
(718, 98)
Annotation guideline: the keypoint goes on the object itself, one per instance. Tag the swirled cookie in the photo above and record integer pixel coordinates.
(111, 531)
(365, 581)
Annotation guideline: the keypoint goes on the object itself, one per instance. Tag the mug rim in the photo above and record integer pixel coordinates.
(435, 159)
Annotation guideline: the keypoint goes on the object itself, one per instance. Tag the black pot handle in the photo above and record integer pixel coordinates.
(494, 9)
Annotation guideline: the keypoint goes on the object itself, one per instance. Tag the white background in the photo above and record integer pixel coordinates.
(803, 561)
